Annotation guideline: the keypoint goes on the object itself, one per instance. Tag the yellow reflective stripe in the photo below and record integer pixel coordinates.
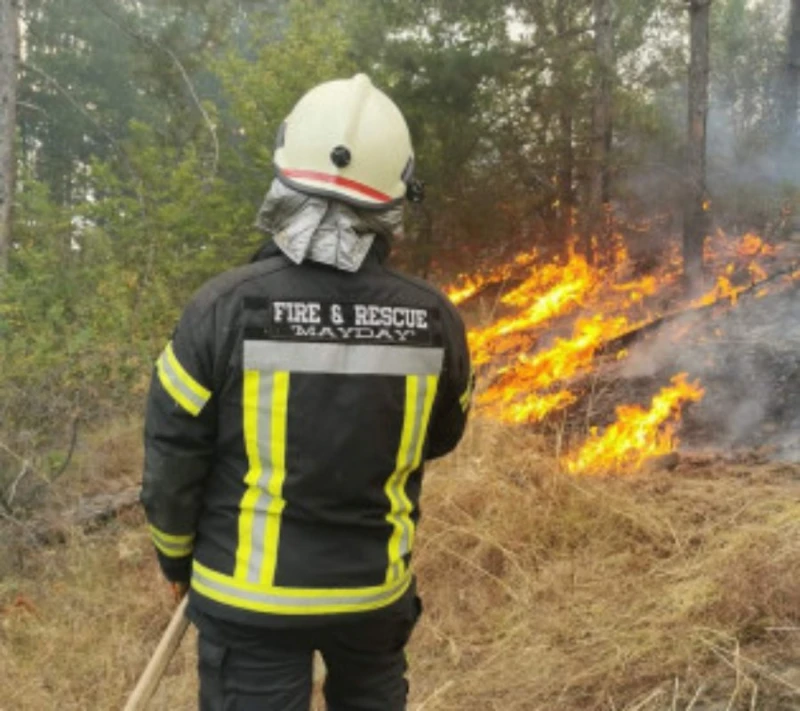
(247, 506)
(293, 601)
(466, 396)
(184, 389)
(393, 484)
(279, 413)
(432, 385)
(430, 396)
(171, 545)
(265, 409)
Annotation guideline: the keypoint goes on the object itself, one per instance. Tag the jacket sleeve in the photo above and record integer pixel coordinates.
(180, 432)
(455, 389)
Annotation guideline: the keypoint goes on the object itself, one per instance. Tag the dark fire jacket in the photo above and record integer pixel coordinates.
(287, 425)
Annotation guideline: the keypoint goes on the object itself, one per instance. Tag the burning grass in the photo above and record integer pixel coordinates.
(669, 590)
(637, 435)
(556, 319)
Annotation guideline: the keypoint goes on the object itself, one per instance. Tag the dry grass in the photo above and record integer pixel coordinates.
(674, 590)
(668, 591)
(78, 621)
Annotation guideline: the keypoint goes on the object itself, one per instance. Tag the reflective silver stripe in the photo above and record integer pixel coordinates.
(287, 598)
(198, 402)
(397, 570)
(261, 506)
(341, 358)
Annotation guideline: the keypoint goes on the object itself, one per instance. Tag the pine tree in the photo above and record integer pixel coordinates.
(9, 43)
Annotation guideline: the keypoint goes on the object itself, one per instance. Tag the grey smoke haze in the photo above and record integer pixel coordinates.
(733, 165)
(748, 360)
(752, 163)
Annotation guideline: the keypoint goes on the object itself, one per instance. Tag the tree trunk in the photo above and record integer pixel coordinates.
(9, 43)
(564, 176)
(696, 207)
(791, 92)
(598, 193)
(566, 153)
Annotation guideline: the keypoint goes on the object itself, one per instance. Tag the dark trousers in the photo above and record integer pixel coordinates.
(270, 669)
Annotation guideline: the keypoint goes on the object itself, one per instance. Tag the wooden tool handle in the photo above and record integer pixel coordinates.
(170, 641)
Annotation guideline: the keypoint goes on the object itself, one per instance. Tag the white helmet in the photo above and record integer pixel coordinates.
(347, 140)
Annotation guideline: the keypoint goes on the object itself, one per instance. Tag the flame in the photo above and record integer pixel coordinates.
(469, 285)
(757, 272)
(638, 434)
(720, 248)
(553, 291)
(748, 254)
(647, 286)
(516, 395)
(557, 316)
(535, 408)
(723, 289)
(545, 277)
(751, 245)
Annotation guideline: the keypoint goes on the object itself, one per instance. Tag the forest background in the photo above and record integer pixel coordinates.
(145, 132)
(143, 137)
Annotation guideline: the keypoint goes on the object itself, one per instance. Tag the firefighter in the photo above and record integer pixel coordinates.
(289, 419)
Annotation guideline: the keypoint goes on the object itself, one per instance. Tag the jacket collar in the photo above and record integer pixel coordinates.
(378, 253)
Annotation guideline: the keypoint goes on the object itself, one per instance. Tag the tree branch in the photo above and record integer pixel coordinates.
(12, 490)
(73, 442)
(48, 481)
(32, 107)
(83, 112)
(151, 42)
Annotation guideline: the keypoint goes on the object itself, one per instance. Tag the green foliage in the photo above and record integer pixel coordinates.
(65, 316)
(263, 79)
(147, 132)
(77, 91)
(95, 285)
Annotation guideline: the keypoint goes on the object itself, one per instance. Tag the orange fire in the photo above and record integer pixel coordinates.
(549, 292)
(757, 272)
(647, 286)
(723, 289)
(751, 245)
(745, 256)
(468, 285)
(556, 317)
(638, 434)
(720, 248)
(520, 392)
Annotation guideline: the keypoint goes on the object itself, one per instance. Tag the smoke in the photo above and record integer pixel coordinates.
(748, 360)
(753, 155)
(788, 443)
(762, 159)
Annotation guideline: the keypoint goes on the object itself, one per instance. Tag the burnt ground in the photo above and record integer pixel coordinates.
(747, 357)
